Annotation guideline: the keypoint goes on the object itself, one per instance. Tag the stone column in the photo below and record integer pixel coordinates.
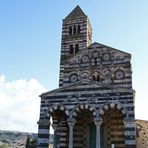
(71, 123)
(98, 123)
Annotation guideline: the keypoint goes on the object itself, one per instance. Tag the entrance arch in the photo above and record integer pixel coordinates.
(59, 116)
(84, 129)
(112, 128)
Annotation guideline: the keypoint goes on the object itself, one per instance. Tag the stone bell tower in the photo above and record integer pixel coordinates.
(94, 104)
(76, 36)
(76, 33)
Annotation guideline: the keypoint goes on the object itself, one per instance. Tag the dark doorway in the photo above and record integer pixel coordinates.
(92, 136)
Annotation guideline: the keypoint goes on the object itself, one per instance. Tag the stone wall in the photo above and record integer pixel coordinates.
(142, 133)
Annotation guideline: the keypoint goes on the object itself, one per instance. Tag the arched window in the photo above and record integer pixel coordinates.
(74, 30)
(70, 30)
(79, 29)
(95, 61)
(71, 51)
(96, 76)
(76, 48)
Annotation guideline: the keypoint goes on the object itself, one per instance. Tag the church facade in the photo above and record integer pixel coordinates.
(94, 104)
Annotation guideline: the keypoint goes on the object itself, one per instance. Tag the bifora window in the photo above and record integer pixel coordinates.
(73, 50)
(74, 30)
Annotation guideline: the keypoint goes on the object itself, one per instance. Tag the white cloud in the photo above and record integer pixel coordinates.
(19, 104)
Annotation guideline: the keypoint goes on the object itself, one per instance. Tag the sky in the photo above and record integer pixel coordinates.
(30, 42)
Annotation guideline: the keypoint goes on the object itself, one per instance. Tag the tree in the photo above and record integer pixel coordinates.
(31, 143)
(28, 142)
(34, 142)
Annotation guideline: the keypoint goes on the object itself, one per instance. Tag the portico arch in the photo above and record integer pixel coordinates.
(80, 107)
(116, 105)
(84, 129)
(59, 115)
(112, 128)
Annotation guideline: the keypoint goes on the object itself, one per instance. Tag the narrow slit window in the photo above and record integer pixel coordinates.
(70, 30)
(95, 61)
(79, 29)
(98, 78)
(76, 48)
(94, 78)
(71, 49)
(74, 30)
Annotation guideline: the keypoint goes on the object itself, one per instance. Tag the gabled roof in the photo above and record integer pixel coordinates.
(96, 44)
(76, 12)
(87, 83)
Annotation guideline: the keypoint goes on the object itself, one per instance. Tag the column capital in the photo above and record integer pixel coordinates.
(98, 121)
(71, 121)
(54, 126)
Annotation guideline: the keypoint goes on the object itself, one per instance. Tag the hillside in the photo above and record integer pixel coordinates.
(142, 133)
(15, 139)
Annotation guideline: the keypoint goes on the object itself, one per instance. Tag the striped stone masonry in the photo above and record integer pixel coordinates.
(94, 104)
(43, 133)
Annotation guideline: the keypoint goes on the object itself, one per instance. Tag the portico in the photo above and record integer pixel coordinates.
(89, 127)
